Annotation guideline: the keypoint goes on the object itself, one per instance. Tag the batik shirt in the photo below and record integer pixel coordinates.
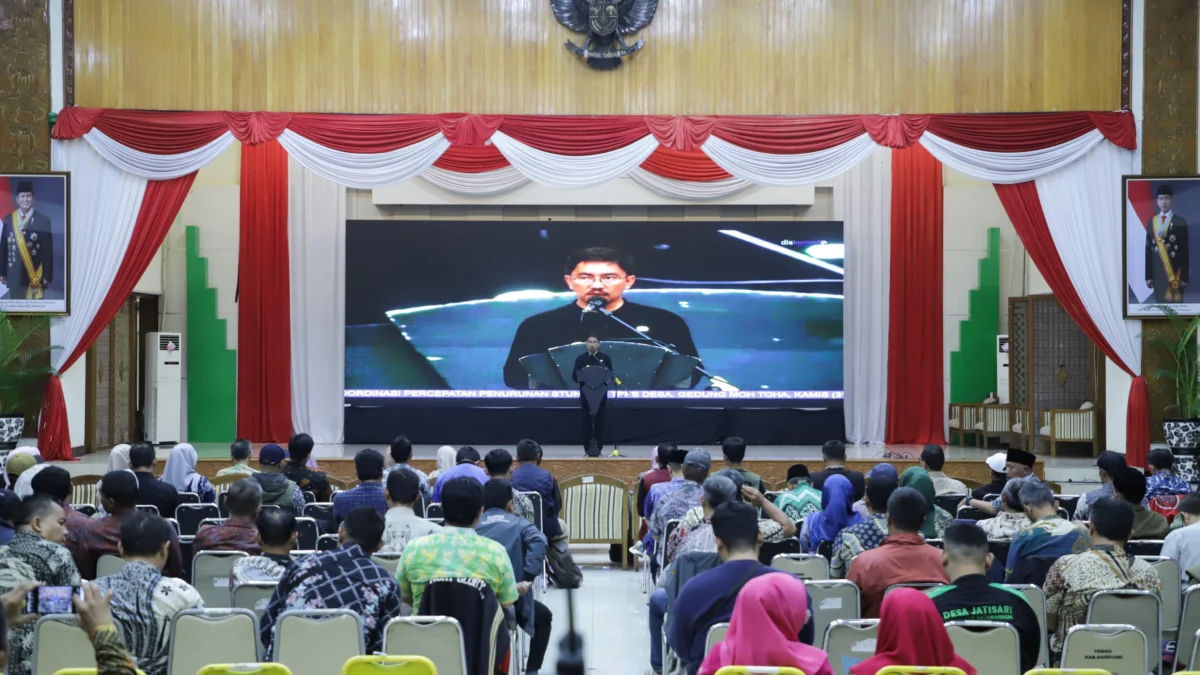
(1074, 579)
(659, 491)
(1083, 510)
(422, 479)
(345, 578)
(855, 539)
(674, 506)
(1165, 483)
(802, 500)
(231, 535)
(144, 603)
(27, 558)
(267, 567)
(452, 553)
(111, 656)
(1005, 525)
(770, 530)
(1048, 536)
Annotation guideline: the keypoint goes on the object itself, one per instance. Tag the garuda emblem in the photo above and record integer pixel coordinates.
(605, 22)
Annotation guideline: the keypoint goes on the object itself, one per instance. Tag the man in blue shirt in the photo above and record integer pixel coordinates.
(708, 598)
(529, 477)
(466, 465)
(368, 464)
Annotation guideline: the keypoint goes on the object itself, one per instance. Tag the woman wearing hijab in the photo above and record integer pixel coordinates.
(911, 633)
(446, 459)
(769, 612)
(938, 519)
(181, 473)
(24, 485)
(118, 458)
(836, 514)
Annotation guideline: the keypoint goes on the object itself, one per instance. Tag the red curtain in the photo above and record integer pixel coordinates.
(264, 392)
(160, 205)
(1024, 208)
(914, 409)
(691, 165)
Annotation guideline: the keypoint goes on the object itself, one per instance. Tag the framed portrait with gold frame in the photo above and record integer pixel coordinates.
(35, 243)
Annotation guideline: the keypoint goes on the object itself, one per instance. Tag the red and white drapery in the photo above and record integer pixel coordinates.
(683, 157)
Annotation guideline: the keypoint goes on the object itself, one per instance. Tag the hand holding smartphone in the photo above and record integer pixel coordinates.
(52, 599)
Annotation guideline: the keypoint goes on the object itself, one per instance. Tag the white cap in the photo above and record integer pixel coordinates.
(997, 462)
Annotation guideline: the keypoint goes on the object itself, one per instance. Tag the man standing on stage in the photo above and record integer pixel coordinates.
(26, 249)
(1167, 250)
(595, 273)
(592, 425)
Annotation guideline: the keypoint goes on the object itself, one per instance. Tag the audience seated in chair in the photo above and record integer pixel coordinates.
(659, 490)
(402, 523)
(55, 482)
(1048, 534)
(734, 451)
(774, 528)
(1164, 488)
(1017, 464)
(1183, 545)
(344, 578)
(118, 495)
(239, 452)
(466, 464)
(911, 632)
(970, 597)
(401, 452)
(937, 519)
(238, 532)
(458, 550)
(144, 602)
(647, 481)
(933, 458)
(35, 554)
(1012, 518)
(526, 547)
(769, 613)
(904, 557)
(9, 502)
(368, 465)
(499, 464)
(1130, 485)
(1108, 464)
(696, 535)
(529, 476)
(152, 491)
(181, 474)
(870, 533)
(1074, 579)
(834, 454)
(277, 488)
(837, 513)
(801, 499)
(684, 498)
(296, 468)
(999, 476)
(276, 532)
(708, 598)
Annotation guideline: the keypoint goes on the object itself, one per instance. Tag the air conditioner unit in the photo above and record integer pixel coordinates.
(164, 383)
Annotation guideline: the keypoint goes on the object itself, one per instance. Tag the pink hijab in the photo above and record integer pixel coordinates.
(768, 615)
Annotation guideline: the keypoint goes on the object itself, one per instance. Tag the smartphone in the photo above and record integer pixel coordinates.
(52, 599)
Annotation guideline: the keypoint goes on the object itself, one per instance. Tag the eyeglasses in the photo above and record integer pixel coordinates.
(606, 279)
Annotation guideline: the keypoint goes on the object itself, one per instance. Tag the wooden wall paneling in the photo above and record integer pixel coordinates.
(504, 56)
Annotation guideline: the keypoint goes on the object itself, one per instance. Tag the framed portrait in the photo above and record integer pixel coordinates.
(1159, 249)
(35, 243)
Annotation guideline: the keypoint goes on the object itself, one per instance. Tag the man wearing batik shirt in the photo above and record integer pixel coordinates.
(774, 528)
(1163, 481)
(344, 578)
(801, 498)
(1049, 535)
(238, 532)
(683, 499)
(868, 534)
(660, 490)
(1109, 464)
(1012, 518)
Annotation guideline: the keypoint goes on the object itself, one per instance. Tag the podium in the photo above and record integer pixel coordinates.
(637, 365)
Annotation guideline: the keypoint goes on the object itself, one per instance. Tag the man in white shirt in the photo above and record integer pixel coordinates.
(1183, 545)
(932, 460)
(402, 524)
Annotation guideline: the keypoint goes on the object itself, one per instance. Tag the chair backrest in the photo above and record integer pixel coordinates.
(848, 642)
(1172, 593)
(86, 509)
(191, 515)
(307, 532)
(758, 670)
(317, 641)
(802, 565)
(768, 552)
(715, 634)
(148, 508)
(990, 646)
(1037, 600)
(327, 542)
(833, 600)
(535, 498)
(84, 489)
(254, 596)
(378, 664)
(210, 575)
(1144, 547)
(970, 513)
(437, 638)
(59, 643)
(252, 668)
(108, 565)
(919, 585)
(310, 497)
(194, 632)
(949, 502)
(596, 509)
(434, 510)
(1189, 625)
(388, 561)
(321, 512)
(932, 670)
(1120, 649)
(1136, 608)
(1068, 502)
(189, 498)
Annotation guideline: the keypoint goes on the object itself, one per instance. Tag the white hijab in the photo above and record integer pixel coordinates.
(118, 459)
(24, 487)
(181, 467)
(446, 456)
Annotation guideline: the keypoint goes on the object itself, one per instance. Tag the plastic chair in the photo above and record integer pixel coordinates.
(850, 640)
(1142, 609)
(59, 644)
(297, 554)
(308, 532)
(715, 634)
(253, 595)
(949, 502)
(1189, 627)
(388, 561)
(769, 552)
(434, 510)
(923, 670)
(147, 508)
(1120, 647)
(437, 638)
(189, 498)
(191, 515)
(322, 512)
(378, 664)
(108, 565)
(194, 632)
(89, 671)
(833, 600)
(211, 571)
(1037, 599)
(1144, 547)
(1070, 671)
(1172, 594)
(86, 509)
(327, 542)
(318, 641)
(802, 565)
(245, 669)
(990, 646)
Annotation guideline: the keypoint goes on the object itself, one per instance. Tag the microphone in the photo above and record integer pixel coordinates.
(593, 305)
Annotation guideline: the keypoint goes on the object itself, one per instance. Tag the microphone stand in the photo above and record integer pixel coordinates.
(658, 343)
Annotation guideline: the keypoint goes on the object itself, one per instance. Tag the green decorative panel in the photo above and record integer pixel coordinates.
(973, 366)
(212, 366)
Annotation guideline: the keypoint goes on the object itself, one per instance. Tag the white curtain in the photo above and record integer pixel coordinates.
(365, 171)
(862, 200)
(1009, 167)
(570, 171)
(682, 189)
(476, 184)
(157, 167)
(1083, 206)
(763, 168)
(317, 245)
(104, 206)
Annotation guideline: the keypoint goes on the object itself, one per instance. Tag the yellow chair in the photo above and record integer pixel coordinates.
(378, 664)
(245, 669)
(759, 670)
(922, 670)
